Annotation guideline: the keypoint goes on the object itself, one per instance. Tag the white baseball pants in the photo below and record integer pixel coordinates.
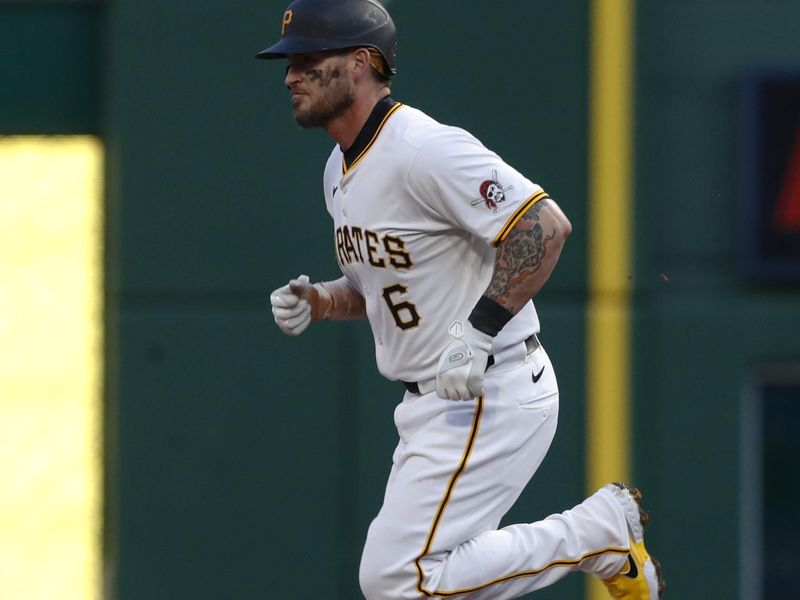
(457, 469)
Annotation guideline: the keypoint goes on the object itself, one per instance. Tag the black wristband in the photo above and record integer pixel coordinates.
(489, 317)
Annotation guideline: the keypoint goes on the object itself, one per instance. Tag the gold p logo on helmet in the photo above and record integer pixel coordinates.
(287, 18)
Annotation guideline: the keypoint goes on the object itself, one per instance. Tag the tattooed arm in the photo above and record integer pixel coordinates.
(528, 256)
(523, 264)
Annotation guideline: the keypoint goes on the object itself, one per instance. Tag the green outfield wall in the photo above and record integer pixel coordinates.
(704, 335)
(245, 464)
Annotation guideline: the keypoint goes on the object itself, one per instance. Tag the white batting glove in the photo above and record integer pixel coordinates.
(290, 306)
(463, 363)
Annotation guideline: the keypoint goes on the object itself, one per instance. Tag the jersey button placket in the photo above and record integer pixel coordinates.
(343, 192)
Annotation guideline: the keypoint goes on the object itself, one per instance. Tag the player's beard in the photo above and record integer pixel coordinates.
(334, 103)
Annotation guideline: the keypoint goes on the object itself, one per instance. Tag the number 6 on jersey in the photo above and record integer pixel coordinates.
(401, 309)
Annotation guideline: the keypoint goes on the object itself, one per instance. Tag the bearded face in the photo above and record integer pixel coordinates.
(321, 109)
(320, 91)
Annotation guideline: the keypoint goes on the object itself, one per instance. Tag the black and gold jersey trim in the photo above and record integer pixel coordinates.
(384, 109)
(523, 208)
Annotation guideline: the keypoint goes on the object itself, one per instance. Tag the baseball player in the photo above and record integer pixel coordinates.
(442, 246)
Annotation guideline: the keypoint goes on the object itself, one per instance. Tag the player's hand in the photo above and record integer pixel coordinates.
(291, 307)
(463, 363)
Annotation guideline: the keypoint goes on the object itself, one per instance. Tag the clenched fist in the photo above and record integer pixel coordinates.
(298, 303)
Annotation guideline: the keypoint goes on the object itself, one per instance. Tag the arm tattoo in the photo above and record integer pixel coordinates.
(519, 257)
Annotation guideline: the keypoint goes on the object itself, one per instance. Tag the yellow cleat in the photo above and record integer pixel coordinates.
(640, 578)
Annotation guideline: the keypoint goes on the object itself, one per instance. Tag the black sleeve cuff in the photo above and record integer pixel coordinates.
(489, 317)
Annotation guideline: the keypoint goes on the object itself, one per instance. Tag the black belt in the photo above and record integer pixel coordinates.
(531, 344)
(412, 386)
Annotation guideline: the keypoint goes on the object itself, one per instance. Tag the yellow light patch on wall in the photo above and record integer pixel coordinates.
(50, 367)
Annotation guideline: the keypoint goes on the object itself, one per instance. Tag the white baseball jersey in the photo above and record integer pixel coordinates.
(419, 208)
(417, 215)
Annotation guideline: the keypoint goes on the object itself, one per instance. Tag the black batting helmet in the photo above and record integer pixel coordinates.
(315, 25)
